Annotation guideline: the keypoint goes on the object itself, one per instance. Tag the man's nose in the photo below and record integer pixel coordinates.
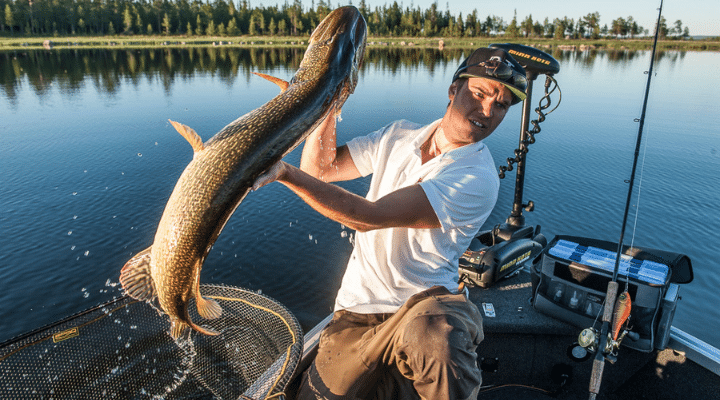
(487, 108)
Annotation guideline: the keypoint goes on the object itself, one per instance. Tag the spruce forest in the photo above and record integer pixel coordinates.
(61, 18)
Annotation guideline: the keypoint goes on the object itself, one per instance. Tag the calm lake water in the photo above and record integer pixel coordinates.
(88, 160)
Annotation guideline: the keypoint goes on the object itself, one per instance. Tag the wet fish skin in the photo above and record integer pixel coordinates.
(224, 169)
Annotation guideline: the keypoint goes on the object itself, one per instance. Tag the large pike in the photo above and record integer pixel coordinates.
(224, 168)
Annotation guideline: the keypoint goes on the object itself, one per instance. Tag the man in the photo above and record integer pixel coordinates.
(400, 328)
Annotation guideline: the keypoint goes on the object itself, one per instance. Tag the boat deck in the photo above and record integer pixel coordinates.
(524, 356)
(528, 349)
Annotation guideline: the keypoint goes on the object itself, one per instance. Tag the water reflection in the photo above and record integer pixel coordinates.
(622, 56)
(69, 69)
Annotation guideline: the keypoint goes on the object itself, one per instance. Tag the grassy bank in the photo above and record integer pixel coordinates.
(8, 43)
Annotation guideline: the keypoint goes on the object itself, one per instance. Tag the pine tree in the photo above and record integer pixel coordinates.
(128, 20)
(199, 26)
(9, 19)
(512, 30)
(232, 29)
(211, 31)
(272, 27)
(166, 24)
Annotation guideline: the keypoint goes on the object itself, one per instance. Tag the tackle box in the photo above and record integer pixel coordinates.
(570, 278)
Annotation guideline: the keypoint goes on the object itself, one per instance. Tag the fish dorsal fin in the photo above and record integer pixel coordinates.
(280, 82)
(190, 135)
(136, 279)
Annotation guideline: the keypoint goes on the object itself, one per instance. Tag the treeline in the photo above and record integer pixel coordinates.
(224, 18)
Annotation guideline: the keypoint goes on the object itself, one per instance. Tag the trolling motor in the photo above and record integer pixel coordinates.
(501, 252)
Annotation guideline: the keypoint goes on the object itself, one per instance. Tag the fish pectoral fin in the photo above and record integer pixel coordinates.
(190, 135)
(280, 82)
(136, 279)
(208, 308)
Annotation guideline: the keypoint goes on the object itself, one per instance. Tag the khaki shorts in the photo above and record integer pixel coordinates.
(424, 350)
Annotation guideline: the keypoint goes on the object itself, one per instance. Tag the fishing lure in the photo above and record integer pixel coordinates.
(623, 305)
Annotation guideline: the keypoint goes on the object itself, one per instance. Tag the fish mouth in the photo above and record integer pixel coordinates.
(341, 37)
(344, 24)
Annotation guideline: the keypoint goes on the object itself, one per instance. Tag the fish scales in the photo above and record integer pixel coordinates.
(224, 168)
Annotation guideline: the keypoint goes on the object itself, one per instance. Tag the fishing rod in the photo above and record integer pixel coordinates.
(612, 289)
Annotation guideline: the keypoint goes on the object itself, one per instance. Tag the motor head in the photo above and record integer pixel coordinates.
(536, 62)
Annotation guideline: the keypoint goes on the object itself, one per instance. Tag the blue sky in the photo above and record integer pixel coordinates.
(702, 17)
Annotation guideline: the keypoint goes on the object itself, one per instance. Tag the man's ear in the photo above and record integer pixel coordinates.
(452, 90)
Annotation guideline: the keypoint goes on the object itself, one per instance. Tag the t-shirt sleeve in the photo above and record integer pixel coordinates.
(364, 150)
(462, 197)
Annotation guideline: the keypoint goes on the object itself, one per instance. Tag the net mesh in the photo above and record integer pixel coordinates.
(123, 350)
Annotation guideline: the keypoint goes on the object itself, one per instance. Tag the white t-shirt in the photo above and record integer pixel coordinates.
(387, 266)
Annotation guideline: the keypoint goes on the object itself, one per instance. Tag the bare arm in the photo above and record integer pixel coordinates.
(323, 162)
(322, 159)
(407, 207)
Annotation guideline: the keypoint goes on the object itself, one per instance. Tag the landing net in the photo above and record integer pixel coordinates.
(122, 350)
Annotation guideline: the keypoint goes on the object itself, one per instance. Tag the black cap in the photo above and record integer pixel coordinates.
(497, 65)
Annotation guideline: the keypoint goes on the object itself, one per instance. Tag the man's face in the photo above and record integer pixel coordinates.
(477, 106)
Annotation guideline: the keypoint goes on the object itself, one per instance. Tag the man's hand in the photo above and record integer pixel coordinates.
(271, 175)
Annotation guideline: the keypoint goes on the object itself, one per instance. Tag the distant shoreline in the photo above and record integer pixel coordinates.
(10, 43)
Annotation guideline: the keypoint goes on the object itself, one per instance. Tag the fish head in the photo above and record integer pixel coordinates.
(337, 45)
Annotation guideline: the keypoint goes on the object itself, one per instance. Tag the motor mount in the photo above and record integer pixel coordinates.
(499, 253)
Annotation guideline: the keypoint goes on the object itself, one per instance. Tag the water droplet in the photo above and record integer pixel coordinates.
(343, 234)
(86, 295)
(74, 216)
(72, 248)
(139, 154)
(310, 237)
(74, 193)
(87, 253)
(69, 232)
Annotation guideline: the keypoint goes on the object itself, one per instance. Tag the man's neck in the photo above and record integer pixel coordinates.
(430, 148)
